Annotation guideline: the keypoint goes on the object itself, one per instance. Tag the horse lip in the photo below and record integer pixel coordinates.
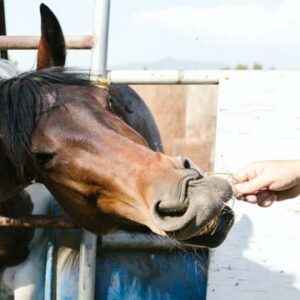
(183, 233)
(217, 235)
(188, 230)
(211, 239)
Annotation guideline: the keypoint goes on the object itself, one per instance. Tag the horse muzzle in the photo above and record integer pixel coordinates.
(200, 216)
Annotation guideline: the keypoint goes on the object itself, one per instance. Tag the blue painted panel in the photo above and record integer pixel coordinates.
(69, 284)
(128, 272)
(48, 290)
(151, 274)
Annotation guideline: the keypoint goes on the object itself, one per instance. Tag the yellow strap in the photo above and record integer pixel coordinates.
(103, 83)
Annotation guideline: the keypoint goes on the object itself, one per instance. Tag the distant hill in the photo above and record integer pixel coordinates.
(169, 63)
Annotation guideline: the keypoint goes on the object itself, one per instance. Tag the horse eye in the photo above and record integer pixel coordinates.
(113, 109)
(109, 102)
(42, 158)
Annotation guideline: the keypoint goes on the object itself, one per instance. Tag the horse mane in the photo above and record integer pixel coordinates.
(22, 100)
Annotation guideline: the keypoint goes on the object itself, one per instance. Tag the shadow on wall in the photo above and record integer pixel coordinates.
(234, 277)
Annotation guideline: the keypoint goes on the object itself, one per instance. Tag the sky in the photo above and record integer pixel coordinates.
(212, 32)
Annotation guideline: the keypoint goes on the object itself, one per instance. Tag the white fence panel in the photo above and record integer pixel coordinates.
(258, 118)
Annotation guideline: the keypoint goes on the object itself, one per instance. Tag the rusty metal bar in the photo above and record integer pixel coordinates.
(32, 42)
(38, 221)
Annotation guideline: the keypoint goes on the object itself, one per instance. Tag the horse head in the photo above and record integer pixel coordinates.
(60, 129)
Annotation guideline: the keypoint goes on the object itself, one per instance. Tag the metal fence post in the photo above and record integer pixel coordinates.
(88, 246)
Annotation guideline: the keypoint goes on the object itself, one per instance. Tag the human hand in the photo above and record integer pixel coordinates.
(264, 182)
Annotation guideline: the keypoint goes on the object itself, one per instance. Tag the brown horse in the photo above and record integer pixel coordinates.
(58, 128)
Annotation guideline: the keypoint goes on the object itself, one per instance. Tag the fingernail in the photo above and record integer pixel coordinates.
(232, 180)
(238, 186)
(236, 193)
(267, 203)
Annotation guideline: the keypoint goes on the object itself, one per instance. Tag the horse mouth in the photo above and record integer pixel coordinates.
(214, 233)
(202, 219)
(211, 235)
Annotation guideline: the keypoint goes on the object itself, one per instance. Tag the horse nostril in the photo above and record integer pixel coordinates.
(170, 210)
(190, 165)
(186, 164)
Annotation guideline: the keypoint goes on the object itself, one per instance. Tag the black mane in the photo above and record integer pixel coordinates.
(22, 99)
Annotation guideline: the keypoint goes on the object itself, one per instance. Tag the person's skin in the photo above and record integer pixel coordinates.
(264, 182)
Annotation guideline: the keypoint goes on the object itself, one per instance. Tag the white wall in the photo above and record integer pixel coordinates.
(258, 118)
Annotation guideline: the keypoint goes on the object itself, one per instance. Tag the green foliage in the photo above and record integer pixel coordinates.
(257, 66)
(241, 67)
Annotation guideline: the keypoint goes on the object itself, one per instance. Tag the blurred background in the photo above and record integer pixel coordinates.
(175, 34)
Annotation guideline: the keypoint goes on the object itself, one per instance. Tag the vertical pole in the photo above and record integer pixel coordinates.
(101, 26)
(3, 53)
(88, 246)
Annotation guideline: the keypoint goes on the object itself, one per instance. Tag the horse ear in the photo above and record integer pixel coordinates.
(52, 47)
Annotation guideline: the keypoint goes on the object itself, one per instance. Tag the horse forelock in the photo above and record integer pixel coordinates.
(22, 100)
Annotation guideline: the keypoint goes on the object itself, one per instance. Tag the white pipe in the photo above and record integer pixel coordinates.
(88, 246)
(87, 266)
(101, 28)
(165, 76)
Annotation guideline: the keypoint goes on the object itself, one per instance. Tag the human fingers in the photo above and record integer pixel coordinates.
(250, 198)
(252, 186)
(266, 198)
(244, 174)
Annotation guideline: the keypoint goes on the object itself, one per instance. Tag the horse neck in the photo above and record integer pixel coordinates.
(14, 242)
(14, 202)
(10, 186)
